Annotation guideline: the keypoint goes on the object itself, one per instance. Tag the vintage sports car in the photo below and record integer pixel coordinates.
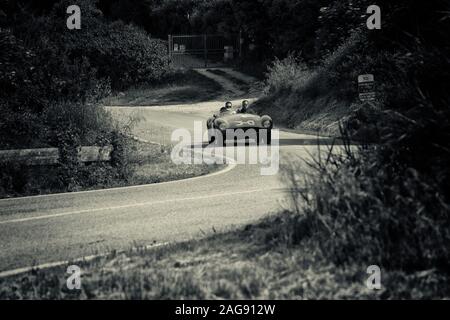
(229, 122)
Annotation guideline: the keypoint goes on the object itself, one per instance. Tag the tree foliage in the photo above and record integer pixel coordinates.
(43, 65)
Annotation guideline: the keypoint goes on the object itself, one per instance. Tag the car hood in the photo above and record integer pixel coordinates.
(239, 117)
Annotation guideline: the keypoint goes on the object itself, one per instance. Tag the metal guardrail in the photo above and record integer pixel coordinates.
(51, 156)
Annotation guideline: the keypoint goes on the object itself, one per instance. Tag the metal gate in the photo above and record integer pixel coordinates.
(203, 51)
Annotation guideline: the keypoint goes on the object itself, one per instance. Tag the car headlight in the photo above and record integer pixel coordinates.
(267, 124)
(223, 126)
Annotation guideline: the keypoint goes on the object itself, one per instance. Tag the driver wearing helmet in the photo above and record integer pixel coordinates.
(228, 107)
(244, 107)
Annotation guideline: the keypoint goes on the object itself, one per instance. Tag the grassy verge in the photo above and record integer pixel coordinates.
(181, 87)
(259, 265)
(148, 163)
(318, 115)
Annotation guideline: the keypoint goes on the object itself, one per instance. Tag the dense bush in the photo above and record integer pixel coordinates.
(46, 66)
(52, 79)
(124, 54)
(284, 74)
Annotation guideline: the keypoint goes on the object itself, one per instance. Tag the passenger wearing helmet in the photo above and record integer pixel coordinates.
(244, 107)
(228, 107)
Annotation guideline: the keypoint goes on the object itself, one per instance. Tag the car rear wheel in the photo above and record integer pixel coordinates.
(264, 136)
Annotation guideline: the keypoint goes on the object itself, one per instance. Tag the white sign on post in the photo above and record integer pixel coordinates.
(366, 87)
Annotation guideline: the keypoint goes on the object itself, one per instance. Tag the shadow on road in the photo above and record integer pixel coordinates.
(285, 142)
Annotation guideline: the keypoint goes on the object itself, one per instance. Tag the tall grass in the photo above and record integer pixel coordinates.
(285, 74)
(356, 209)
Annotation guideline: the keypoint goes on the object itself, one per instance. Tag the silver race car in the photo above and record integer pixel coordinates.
(232, 125)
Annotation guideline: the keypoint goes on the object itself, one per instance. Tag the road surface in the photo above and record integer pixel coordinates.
(43, 229)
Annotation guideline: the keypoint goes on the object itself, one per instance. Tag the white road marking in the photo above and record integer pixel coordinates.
(134, 205)
(229, 166)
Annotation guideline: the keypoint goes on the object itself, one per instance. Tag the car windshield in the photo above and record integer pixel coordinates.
(226, 111)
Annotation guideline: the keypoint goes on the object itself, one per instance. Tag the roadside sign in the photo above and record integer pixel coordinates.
(366, 87)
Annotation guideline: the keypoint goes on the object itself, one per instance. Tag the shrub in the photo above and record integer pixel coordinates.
(284, 74)
(51, 81)
(37, 84)
(124, 54)
(46, 68)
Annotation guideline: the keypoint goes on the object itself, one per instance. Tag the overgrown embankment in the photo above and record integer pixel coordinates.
(52, 84)
(388, 203)
(52, 78)
(407, 57)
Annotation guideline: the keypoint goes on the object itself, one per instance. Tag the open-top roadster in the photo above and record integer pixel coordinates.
(232, 125)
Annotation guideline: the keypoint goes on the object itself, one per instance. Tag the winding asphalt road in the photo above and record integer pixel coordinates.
(44, 229)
